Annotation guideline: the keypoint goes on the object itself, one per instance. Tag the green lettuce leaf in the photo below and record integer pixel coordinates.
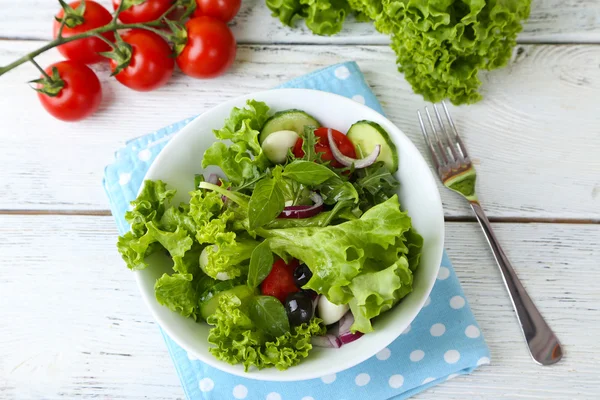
(442, 45)
(149, 205)
(244, 159)
(322, 17)
(238, 340)
(177, 292)
(338, 253)
(376, 292)
(230, 258)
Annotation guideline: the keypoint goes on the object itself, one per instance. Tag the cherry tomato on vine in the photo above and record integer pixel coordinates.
(210, 48)
(85, 50)
(322, 146)
(224, 10)
(80, 95)
(151, 64)
(148, 11)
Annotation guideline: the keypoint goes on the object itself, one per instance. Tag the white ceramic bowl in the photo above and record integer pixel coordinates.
(181, 159)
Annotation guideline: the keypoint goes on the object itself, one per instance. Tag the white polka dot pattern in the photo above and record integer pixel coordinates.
(240, 392)
(362, 379)
(206, 384)
(383, 354)
(396, 381)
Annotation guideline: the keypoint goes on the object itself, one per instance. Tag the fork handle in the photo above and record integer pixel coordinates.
(543, 344)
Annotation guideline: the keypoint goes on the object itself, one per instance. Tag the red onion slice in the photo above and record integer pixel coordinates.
(304, 211)
(349, 337)
(348, 161)
(214, 179)
(346, 322)
(329, 341)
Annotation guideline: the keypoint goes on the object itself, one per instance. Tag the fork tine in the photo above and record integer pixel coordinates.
(446, 136)
(432, 151)
(436, 137)
(457, 138)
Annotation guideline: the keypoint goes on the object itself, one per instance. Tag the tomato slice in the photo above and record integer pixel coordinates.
(280, 281)
(322, 146)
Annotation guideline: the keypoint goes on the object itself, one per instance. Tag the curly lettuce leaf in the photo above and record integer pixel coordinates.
(322, 17)
(229, 258)
(442, 45)
(177, 292)
(238, 340)
(244, 159)
(376, 292)
(149, 205)
(338, 253)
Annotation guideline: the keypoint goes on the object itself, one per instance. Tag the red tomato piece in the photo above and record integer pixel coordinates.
(322, 146)
(148, 11)
(85, 50)
(224, 10)
(280, 281)
(151, 64)
(80, 96)
(210, 48)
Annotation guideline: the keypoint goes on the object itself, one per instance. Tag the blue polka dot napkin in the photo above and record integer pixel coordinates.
(442, 342)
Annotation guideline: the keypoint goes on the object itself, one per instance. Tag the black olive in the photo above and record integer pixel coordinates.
(302, 275)
(299, 308)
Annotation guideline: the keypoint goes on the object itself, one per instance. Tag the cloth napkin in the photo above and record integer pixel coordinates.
(442, 342)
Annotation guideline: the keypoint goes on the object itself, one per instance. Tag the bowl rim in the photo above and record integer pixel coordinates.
(288, 375)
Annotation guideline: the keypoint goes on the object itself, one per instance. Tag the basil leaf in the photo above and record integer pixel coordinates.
(269, 315)
(308, 173)
(266, 203)
(261, 263)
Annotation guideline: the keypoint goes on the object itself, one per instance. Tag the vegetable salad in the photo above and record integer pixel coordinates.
(300, 242)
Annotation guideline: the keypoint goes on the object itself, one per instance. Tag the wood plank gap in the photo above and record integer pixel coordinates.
(496, 220)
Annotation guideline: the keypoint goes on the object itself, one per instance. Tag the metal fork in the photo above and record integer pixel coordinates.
(456, 171)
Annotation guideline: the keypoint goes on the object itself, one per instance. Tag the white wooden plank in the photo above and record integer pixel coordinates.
(75, 325)
(534, 138)
(570, 21)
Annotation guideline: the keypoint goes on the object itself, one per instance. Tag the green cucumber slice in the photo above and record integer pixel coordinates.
(209, 300)
(367, 135)
(288, 120)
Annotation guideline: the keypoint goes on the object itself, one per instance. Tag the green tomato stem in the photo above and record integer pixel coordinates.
(44, 73)
(114, 25)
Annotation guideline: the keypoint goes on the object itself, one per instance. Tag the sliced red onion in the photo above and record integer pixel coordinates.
(214, 179)
(315, 301)
(329, 341)
(348, 161)
(349, 337)
(346, 322)
(304, 211)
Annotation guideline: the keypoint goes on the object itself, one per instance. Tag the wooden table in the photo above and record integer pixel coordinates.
(73, 323)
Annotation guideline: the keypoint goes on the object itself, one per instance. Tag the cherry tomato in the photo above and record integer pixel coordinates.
(85, 50)
(322, 146)
(224, 10)
(210, 48)
(280, 281)
(151, 64)
(148, 11)
(80, 96)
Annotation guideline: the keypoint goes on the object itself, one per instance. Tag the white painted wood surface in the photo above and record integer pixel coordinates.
(75, 325)
(551, 21)
(531, 136)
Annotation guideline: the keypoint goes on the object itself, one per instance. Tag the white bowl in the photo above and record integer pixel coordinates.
(181, 159)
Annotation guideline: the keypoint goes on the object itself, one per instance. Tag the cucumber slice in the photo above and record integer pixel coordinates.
(209, 300)
(367, 135)
(288, 120)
